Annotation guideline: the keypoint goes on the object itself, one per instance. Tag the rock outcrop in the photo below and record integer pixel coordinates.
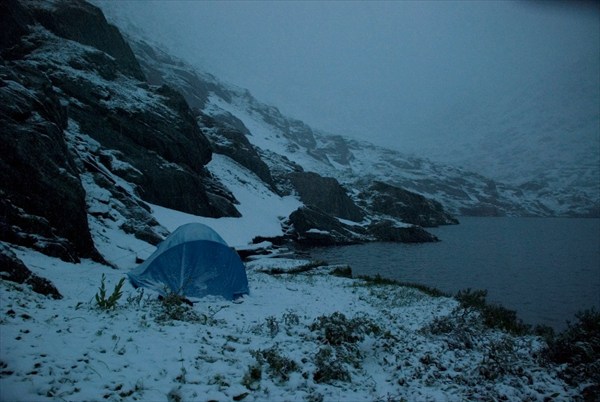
(42, 202)
(326, 194)
(384, 199)
(12, 269)
(67, 77)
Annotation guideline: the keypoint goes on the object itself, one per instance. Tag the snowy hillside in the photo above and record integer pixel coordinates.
(356, 163)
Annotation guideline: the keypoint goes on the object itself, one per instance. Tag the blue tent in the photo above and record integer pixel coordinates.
(194, 261)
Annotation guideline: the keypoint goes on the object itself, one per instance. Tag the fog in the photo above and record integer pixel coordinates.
(383, 71)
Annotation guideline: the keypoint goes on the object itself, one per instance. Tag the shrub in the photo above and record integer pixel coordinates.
(110, 302)
(336, 329)
(329, 367)
(342, 272)
(175, 307)
(280, 366)
(252, 377)
(461, 328)
(579, 348)
(494, 315)
(378, 280)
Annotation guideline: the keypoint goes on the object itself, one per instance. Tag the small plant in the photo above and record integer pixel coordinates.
(136, 299)
(110, 302)
(272, 326)
(175, 307)
(336, 329)
(500, 359)
(290, 319)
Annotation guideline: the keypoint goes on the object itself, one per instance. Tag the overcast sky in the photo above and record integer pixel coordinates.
(375, 70)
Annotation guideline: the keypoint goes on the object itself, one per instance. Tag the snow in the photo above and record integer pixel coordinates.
(70, 350)
(262, 210)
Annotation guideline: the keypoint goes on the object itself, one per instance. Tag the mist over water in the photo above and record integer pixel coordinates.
(544, 268)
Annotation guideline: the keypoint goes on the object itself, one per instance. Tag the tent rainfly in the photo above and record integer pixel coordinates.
(194, 261)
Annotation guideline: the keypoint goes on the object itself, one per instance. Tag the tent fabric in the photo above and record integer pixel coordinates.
(194, 261)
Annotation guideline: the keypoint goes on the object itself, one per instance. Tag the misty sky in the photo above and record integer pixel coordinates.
(380, 71)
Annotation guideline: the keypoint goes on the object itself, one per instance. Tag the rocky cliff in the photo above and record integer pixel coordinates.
(75, 111)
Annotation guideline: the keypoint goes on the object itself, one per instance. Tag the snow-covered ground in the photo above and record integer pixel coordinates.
(269, 347)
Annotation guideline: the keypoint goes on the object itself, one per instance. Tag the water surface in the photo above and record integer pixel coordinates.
(545, 268)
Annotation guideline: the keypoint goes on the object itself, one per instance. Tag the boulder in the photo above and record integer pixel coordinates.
(326, 194)
(387, 230)
(385, 199)
(310, 226)
(85, 23)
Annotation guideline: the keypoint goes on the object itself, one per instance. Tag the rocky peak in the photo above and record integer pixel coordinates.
(83, 22)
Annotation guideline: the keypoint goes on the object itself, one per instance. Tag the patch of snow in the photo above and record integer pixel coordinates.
(262, 210)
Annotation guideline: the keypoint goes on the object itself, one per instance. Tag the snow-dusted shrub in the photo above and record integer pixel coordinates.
(460, 328)
(279, 366)
(336, 329)
(578, 347)
(291, 319)
(342, 272)
(329, 366)
(341, 352)
(252, 377)
(174, 308)
(272, 326)
(494, 315)
(500, 359)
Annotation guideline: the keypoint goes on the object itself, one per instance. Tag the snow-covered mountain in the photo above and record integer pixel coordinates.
(357, 163)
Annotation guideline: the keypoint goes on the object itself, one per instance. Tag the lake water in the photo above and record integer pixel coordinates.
(546, 269)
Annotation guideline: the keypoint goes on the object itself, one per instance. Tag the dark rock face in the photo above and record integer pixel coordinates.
(43, 202)
(12, 269)
(82, 22)
(326, 194)
(385, 199)
(312, 227)
(53, 90)
(226, 133)
(14, 20)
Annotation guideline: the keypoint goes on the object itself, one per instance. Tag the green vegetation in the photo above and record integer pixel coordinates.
(110, 302)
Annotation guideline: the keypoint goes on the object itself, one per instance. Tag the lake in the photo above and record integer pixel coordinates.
(546, 269)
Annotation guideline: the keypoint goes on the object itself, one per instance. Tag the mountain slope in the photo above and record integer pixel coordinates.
(356, 163)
